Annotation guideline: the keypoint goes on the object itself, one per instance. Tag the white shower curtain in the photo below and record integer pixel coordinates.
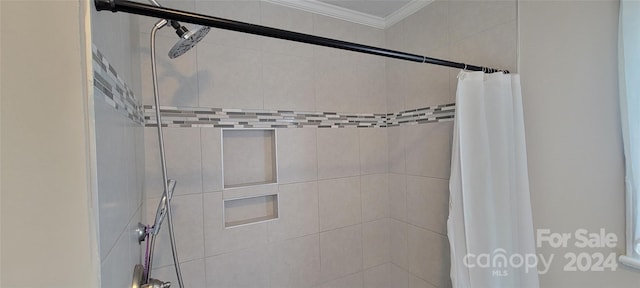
(490, 226)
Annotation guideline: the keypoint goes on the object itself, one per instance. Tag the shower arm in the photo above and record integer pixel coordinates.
(180, 30)
(206, 20)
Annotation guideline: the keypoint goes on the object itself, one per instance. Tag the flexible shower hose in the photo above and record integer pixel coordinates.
(160, 24)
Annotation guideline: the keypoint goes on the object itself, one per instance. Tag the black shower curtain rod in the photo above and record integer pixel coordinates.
(205, 20)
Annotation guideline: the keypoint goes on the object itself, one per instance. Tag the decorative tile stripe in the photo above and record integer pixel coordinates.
(439, 113)
(246, 118)
(115, 90)
(117, 93)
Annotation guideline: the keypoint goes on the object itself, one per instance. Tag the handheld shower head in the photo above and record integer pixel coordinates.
(161, 211)
(188, 39)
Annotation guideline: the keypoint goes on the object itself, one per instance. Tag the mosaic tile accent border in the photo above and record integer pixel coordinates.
(439, 113)
(244, 118)
(116, 92)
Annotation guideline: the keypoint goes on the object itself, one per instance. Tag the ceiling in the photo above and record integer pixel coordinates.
(375, 13)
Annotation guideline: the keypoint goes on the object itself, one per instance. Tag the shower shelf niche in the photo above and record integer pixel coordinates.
(250, 178)
(250, 210)
(248, 157)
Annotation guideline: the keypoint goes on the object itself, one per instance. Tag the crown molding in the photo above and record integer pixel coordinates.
(329, 10)
(326, 9)
(405, 11)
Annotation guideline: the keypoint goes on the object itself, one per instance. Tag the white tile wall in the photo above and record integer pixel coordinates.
(429, 256)
(297, 155)
(289, 19)
(376, 243)
(350, 281)
(364, 198)
(428, 149)
(245, 11)
(119, 153)
(426, 85)
(399, 244)
(372, 93)
(415, 282)
(183, 157)
(385, 276)
(396, 81)
(494, 46)
(338, 153)
(428, 203)
(399, 277)
(306, 205)
(474, 32)
(177, 78)
(113, 186)
(427, 29)
(116, 37)
(397, 161)
(193, 274)
(247, 268)
(211, 159)
(188, 229)
(294, 263)
(298, 212)
(340, 203)
(398, 197)
(378, 276)
(288, 82)
(229, 77)
(374, 155)
(343, 30)
(340, 252)
(336, 84)
(218, 240)
(375, 196)
(469, 18)
(113, 274)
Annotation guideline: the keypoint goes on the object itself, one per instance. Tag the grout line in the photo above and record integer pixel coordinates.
(125, 230)
(204, 219)
(182, 262)
(341, 277)
(318, 197)
(359, 133)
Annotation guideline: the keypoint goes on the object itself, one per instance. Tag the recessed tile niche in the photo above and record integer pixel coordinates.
(250, 210)
(249, 157)
(249, 165)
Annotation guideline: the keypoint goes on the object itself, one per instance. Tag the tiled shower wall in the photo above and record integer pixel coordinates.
(119, 144)
(358, 207)
(333, 226)
(475, 32)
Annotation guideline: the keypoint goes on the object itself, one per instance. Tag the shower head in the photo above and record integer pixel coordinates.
(161, 211)
(188, 39)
